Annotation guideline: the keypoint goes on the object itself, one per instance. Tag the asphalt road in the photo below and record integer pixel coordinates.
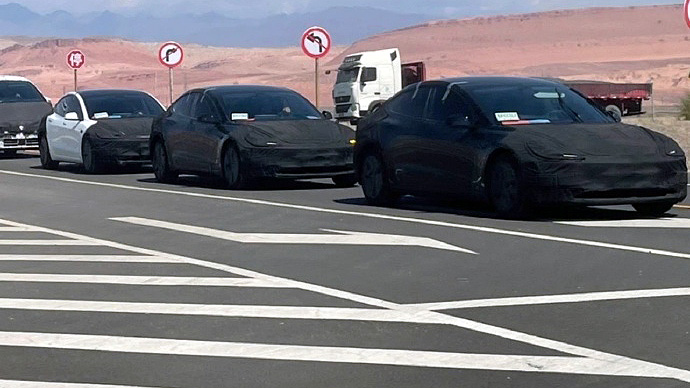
(117, 280)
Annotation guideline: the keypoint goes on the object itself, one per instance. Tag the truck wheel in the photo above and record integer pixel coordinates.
(615, 110)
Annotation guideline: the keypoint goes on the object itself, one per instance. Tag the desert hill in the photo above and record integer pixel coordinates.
(633, 44)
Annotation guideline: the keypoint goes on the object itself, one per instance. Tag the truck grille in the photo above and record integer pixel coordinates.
(342, 100)
(342, 108)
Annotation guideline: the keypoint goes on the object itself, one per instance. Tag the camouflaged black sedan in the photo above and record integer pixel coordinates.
(518, 143)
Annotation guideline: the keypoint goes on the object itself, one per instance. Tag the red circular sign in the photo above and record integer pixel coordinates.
(76, 59)
(171, 54)
(687, 12)
(316, 42)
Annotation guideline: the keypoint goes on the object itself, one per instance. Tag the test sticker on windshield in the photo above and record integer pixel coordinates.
(507, 116)
(239, 116)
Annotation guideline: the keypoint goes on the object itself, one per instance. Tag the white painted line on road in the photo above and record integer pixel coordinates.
(344, 238)
(616, 361)
(678, 223)
(553, 299)
(424, 359)
(235, 311)
(46, 384)
(91, 258)
(13, 229)
(137, 280)
(47, 242)
(421, 221)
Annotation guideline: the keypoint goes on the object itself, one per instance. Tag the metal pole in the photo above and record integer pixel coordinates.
(75, 80)
(316, 81)
(170, 84)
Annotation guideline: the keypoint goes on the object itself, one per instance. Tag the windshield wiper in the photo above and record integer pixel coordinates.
(565, 107)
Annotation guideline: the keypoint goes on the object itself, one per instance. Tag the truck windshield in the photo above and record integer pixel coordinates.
(348, 76)
(535, 104)
(268, 105)
(19, 91)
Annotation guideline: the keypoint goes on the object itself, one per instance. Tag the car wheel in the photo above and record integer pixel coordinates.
(161, 168)
(232, 169)
(46, 161)
(89, 158)
(345, 180)
(654, 209)
(375, 185)
(506, 191)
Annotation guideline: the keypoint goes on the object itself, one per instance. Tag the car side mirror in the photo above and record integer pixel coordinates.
(209, 119)
(72, 116)
(327, 115)
(49, 101)
(614, 116)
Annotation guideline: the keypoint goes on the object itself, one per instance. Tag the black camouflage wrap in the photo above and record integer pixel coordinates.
(121, 140)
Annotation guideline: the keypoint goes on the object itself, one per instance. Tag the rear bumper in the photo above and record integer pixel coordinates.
(607, 182)
(290, 163)
(122, 150)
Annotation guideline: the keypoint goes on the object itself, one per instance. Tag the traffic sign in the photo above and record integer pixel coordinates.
(316, 42)
(687, 12)
(171, 54)
(76, 59)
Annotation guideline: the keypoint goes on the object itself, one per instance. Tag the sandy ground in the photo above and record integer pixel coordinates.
(631, 44)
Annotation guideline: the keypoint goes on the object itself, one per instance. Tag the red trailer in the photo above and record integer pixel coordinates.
(621, 99)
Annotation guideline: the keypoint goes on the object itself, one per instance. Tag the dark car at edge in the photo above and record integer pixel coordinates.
(243, 133)
(517, 143)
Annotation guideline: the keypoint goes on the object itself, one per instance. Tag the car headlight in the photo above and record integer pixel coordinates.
(260, 139)
(551, 153)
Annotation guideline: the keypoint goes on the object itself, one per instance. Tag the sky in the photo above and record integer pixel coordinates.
(260, 8)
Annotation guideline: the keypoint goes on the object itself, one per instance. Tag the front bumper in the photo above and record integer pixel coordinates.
(347, 111)
(19, 141)
(122, 151)
(606, 182)
(298, 163)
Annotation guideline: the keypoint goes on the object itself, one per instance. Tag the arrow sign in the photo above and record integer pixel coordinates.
(334, 237)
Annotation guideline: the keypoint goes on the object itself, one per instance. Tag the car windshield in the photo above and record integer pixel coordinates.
(535, 104)
(267, 105)
(119, 106)
(347, 76)
(19, 91)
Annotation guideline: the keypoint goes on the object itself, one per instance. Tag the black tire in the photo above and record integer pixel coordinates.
(654, 209)
(375, 184)
(506, 191)
(47, 161)
(90, 161)
(349, 180)
(233, 174)
(161, 166)
(616, 111)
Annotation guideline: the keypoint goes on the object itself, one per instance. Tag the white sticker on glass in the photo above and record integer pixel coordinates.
(507, 116)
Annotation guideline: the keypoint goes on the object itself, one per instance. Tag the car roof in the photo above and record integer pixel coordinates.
(495, 80)
(108, 92)
(242, 88)
(14, 78)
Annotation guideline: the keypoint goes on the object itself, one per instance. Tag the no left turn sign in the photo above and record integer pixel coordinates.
(171, 54)
(316, 42)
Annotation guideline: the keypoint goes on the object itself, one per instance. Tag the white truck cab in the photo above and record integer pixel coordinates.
(367, 79)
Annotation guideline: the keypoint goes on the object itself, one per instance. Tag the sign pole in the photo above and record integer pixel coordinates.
(170, 84)
(75, 80)
(316, 81)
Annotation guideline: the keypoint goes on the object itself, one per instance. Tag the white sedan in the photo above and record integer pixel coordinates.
(98, 128)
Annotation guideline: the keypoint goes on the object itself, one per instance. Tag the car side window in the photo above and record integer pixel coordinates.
(204, 107)
(72, 105)
(185, 104)
(445, 105)
(411, 103)
(61, 107)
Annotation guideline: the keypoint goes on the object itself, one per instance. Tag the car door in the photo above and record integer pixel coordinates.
(61, 129)
(176, 126)
(205, 135)
(402, 137)
(451, 140)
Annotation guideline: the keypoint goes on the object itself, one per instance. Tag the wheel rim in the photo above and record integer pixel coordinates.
(159, 160)
(372, 177)
(504, 187)
(231, 166)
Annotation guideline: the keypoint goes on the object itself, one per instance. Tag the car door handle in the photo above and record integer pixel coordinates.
(50, 120)
(377, 93)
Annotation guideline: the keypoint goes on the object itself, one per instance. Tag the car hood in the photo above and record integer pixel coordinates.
(298, 132)
(614, 139)
(128, 128)
(26, 114)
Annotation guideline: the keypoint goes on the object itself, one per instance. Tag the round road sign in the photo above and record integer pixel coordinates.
(686, 10)
(76, 59)
(316, 42)
(171, 54)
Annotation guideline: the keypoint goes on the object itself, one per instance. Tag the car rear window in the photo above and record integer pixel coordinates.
(19, 91)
